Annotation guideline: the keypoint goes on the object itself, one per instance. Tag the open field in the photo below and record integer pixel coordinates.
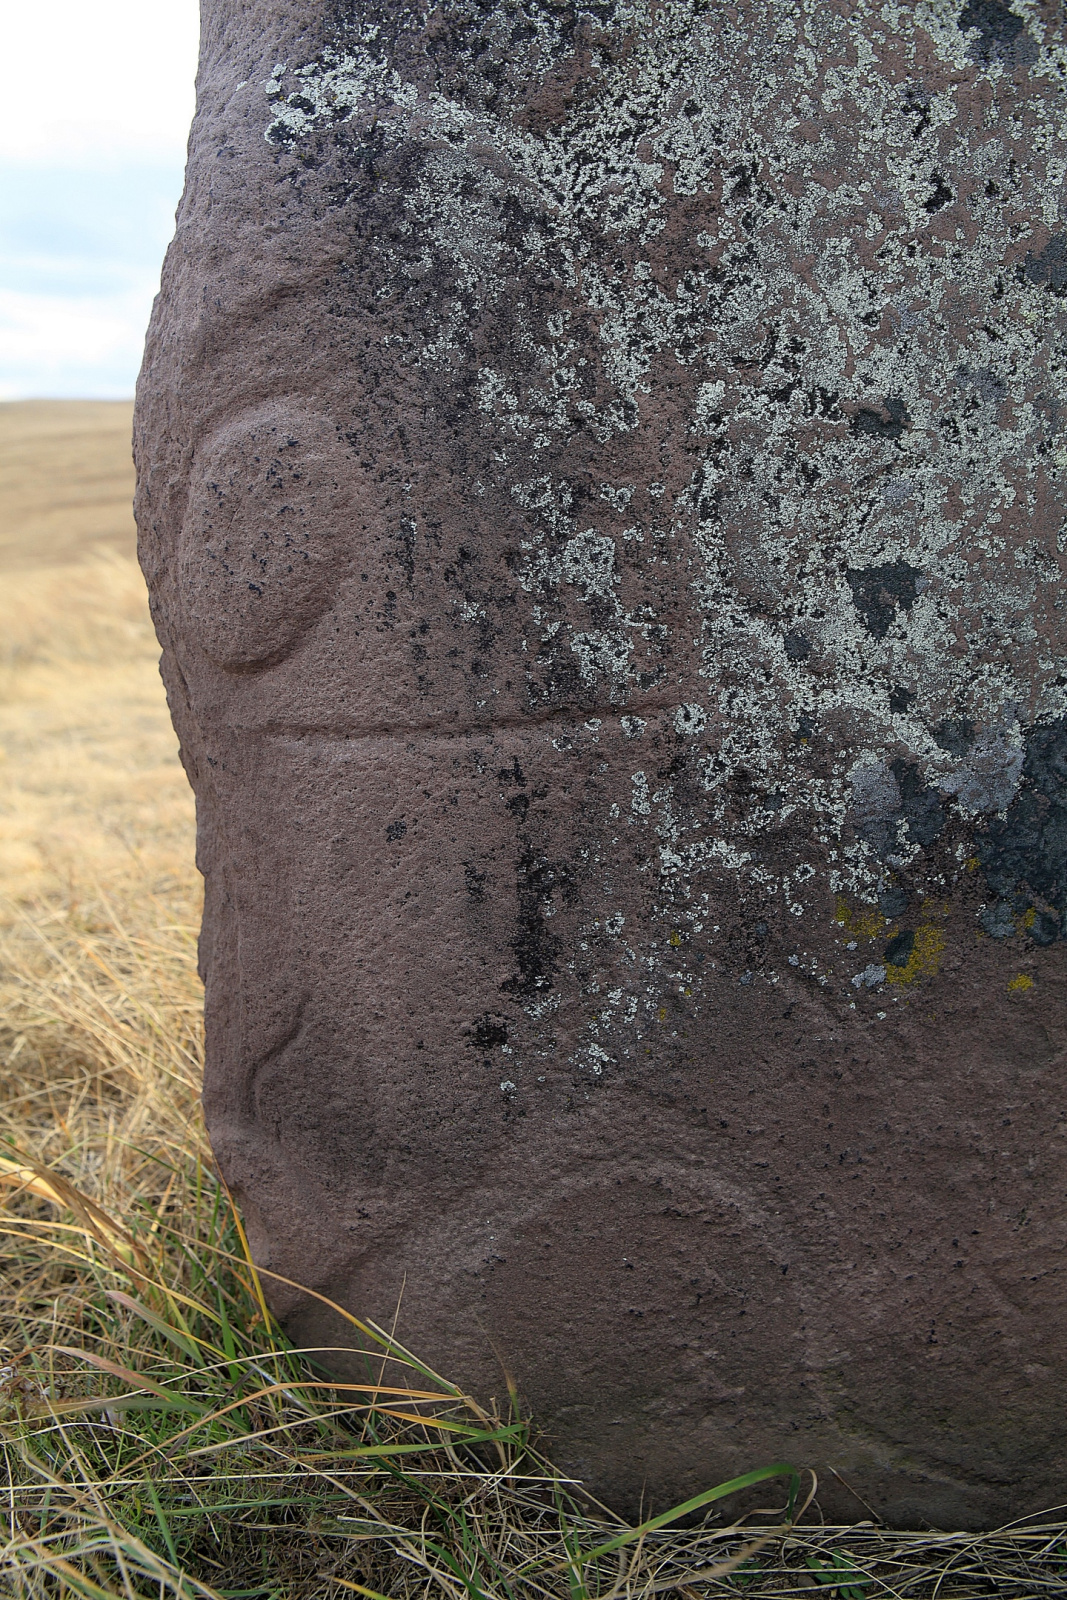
(158, 1435)
(92, 796)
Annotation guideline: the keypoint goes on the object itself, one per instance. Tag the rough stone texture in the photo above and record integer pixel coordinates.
(601, 489)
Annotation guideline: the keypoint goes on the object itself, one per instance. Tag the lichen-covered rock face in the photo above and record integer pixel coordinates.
(600, 484)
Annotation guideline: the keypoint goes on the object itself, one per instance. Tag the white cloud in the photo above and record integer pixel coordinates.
(72, 346)
(101, 81)
(97, 104)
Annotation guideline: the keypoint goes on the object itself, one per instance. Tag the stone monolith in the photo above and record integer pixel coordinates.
(601, 489)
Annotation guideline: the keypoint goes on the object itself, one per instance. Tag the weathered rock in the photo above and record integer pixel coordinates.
(601, 493)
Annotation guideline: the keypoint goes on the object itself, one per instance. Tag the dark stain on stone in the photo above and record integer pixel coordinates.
(513, 774)
(998, 920)
(406, 540)
(917, 104)
(941, 195)
(1045, 928)
(955, 734)
(985, 382)
(1023, 855)
(1050, 267)
(797, 646)
(889, 423)
(922, 811)
(1001, 35)
(536, 947)
(877, 592)
(490, 1030)
(473, 882)
(893, 901)
(898, 950)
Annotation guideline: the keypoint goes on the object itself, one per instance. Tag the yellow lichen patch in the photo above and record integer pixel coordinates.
(1028, 920)
(676, 939)
(864, 923)
(1020, 983)
(924, 959)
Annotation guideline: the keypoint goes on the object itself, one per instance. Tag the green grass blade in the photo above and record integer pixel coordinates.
(181, 1339)
(780, 1469)
(164, 1525)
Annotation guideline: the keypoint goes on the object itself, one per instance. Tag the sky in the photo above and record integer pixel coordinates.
(98, 101)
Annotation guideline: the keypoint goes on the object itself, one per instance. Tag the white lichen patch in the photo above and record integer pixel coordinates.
(778, 383)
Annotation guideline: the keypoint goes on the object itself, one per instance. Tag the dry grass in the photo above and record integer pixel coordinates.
(66, 481)
(160, 1436)
(91, 792)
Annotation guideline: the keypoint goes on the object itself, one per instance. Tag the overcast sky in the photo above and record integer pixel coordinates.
(98, 100)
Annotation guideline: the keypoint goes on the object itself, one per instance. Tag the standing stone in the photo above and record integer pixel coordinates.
(601, 490)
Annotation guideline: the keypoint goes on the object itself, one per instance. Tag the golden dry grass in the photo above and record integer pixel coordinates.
(66, 481)
(96, 817)
(158, 1435)
(92, 796)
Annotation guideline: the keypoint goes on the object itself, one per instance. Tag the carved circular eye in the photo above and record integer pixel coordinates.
(262, 543)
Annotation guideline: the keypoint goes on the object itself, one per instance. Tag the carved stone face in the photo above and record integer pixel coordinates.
(600, 489)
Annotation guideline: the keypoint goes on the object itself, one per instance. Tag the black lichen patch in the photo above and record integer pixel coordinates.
(955, 734)
(1023, 855)
(536, 947)
(474, 882)
(900, 699)
(878, 592)
(940, 195)
(898, 950)
(490, 1030)
(396, 830)
(893, 901)
(513, 775)
(1044, 928)
(923, 813)
(747, 946)
(998, 920)
(889, 423)
(1050, 267)
(797, 646)
(1001, 34)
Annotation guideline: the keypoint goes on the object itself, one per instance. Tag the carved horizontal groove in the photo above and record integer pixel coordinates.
(564, 718)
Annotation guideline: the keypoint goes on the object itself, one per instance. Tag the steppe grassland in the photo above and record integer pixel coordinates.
(93, 799)
(96, 816)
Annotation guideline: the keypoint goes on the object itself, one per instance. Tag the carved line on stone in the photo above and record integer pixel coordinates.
(566, 718)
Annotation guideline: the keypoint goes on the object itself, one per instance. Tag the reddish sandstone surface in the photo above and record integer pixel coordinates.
(600, 487)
